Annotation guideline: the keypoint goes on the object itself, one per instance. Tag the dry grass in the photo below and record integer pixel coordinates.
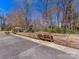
(70, 40)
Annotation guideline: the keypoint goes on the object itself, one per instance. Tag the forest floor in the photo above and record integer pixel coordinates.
(70, 40)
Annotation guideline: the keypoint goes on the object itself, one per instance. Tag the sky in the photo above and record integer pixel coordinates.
(8, 5)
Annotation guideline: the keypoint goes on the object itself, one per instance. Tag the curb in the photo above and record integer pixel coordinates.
(52, 45)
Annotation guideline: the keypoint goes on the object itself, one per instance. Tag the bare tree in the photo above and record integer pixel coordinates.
(47, 11)
(68, 12)
(28, 15)
(19, 21)
(58, 12)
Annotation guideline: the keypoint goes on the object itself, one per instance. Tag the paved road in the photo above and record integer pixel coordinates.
(17, 48)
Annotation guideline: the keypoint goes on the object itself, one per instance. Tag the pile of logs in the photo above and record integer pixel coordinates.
(46, 37)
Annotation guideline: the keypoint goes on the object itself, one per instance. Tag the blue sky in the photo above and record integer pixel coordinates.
(7, 5)
(36, 7)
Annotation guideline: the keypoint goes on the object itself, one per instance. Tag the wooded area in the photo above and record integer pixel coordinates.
(67, 22)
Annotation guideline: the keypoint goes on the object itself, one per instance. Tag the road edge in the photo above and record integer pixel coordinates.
(52, 45)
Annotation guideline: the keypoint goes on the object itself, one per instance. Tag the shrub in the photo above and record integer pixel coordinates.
(49, 30)
(67, 30)
(7, 28)
(70, 31)
(57, 30)
(35, 30)
(14, 31)
(7, 32)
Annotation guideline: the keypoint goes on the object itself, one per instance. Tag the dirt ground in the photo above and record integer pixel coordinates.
(70, 40)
